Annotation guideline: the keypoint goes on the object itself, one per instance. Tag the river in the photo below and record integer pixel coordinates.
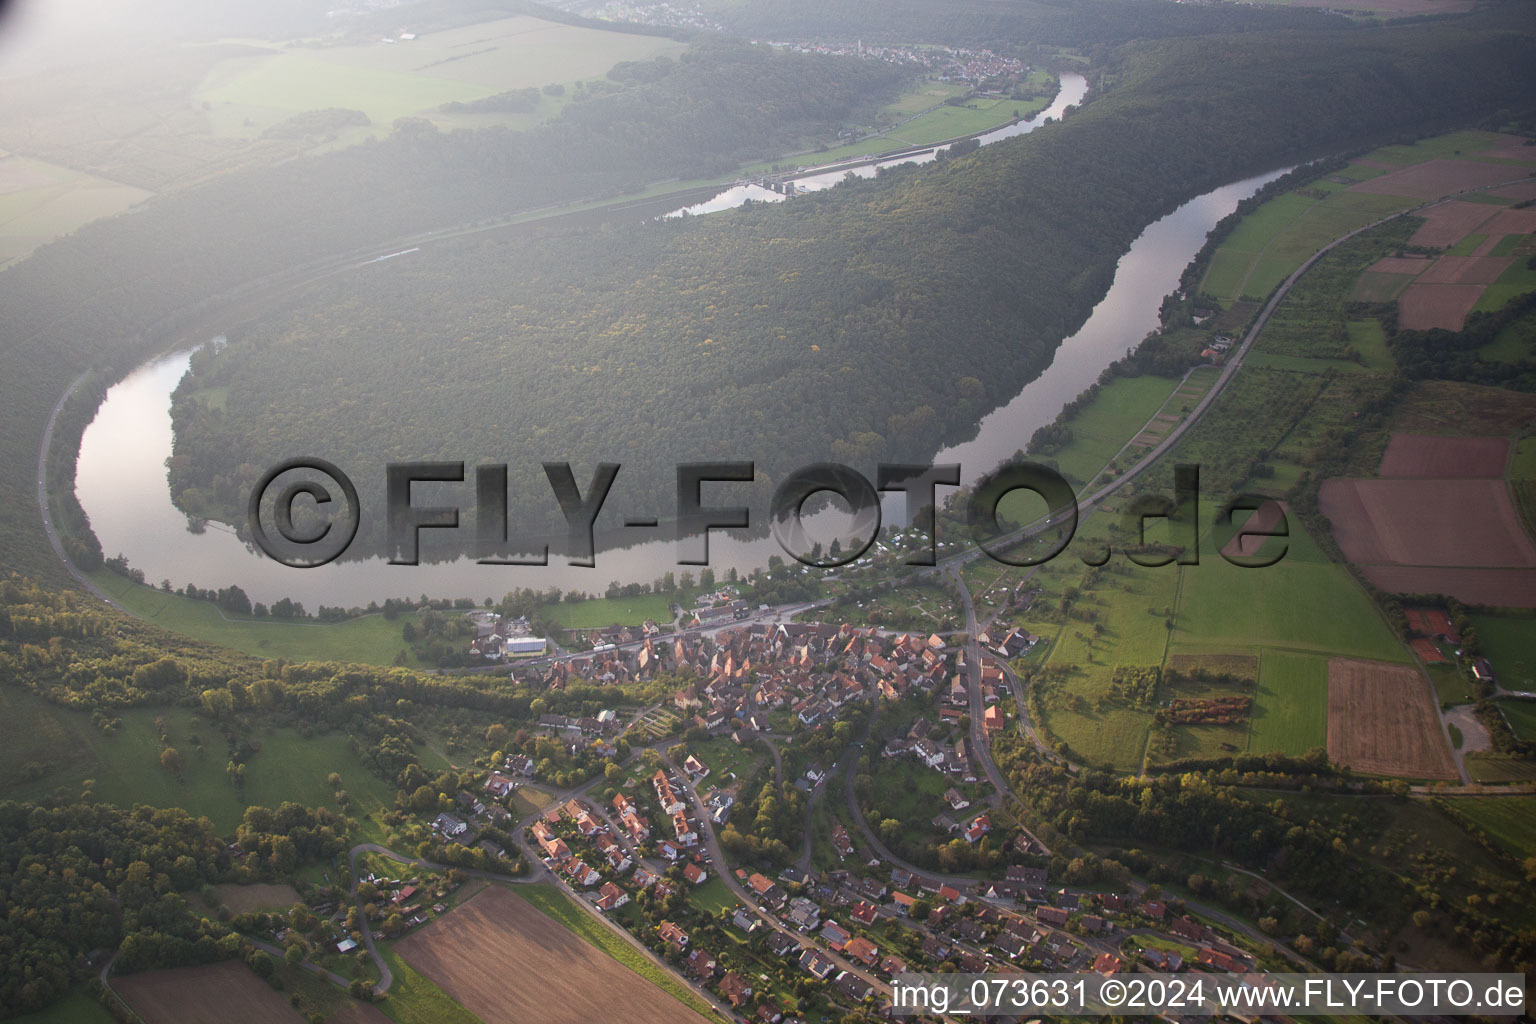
(1073, 89)
(121, 477)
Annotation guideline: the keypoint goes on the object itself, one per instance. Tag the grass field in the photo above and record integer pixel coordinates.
(387, 81)
(713, 896)
(52, 747)
(75, 1008)
(1128, 603)
(948, 122)
(1499, 768)
(1115, 416)
(1281, 234)
(1514, 282)
(1290, 708)
(1302, 603)
(1521, 716)
(1509, 642)
(1510, 820)
(619, 611)
(41, 201)
(1276, 238)
(367, 640)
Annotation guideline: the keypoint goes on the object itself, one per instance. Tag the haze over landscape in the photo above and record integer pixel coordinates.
(1253, 284)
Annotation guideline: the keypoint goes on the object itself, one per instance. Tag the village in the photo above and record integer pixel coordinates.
(640, 844)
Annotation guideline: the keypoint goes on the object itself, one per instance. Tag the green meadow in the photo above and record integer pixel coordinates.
(365, 640)
(53, 748)
(1290, 708)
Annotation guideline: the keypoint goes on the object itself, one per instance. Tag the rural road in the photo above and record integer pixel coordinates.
(42, 496)
(722, 869)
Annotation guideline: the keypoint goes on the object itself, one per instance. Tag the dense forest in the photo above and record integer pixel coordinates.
(873, 322)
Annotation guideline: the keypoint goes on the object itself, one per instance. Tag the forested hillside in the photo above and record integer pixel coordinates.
(97, 299)
(873, 322)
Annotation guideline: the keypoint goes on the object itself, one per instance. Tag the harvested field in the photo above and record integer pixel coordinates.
(1462, 523)
(505, 961)
(1444, 458)
(1503, 588)
(1448, 223)
(1244, 545)
(1466, 270)
(1412, 265)
(1383, 721)
(1434, 178)
(1511, 222)
(1425, 306)
(205, 995)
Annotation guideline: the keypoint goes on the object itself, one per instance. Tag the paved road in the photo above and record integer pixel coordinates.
(981, 743)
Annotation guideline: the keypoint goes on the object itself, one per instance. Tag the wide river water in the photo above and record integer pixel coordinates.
(121, 476)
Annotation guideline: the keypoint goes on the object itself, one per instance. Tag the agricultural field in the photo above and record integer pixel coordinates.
(389, 80)
(484, 954)
(1423, 536)
(1128, 627)
(1290, 711)
(1301, 603)
(204, 995)
(1281, 234)
(40, 201)
(949, 122)
(1381, 721)
(53, 747)
(365, 640)
(1499, 768)
(1113, 419)
(1510, 820)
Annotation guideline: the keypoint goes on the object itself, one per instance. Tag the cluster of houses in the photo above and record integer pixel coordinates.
(497, 638)
(416, 900)
(738, 677)
(1216, 351)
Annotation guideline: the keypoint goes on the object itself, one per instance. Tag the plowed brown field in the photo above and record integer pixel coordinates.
(1382, 721)
(508, 963)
